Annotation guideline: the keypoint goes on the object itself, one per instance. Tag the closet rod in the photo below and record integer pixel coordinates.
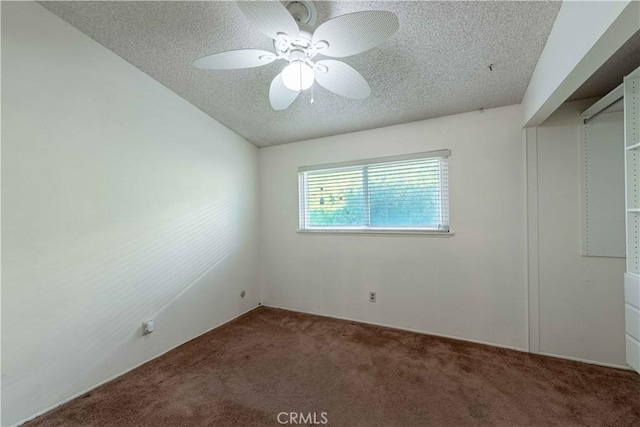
(605, 102)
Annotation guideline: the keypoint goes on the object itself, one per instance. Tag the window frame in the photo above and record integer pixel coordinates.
(363, 164)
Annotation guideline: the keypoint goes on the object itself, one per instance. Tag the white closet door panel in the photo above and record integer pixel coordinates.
(633, 353)
(632, 290)
(632, 321)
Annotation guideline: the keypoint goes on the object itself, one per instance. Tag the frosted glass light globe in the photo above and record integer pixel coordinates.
(297, 76)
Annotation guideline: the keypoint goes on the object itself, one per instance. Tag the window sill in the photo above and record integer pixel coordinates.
(430, 233)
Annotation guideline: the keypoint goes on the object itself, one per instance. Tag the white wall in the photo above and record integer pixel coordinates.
(581, 299)
(471, 285)
(121, 203)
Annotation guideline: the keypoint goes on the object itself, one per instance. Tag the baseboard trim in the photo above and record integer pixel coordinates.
(590, 362)
(417, 331)
(401, 328)
(75, 396)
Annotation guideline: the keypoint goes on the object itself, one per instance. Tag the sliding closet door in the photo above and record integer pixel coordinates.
(632, 182)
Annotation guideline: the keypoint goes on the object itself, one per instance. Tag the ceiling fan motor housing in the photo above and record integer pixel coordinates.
(299, 49)
(303, 11)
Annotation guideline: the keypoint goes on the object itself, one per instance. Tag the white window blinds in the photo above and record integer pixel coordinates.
(393, 193)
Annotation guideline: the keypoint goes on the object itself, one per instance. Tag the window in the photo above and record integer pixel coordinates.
(403, 193)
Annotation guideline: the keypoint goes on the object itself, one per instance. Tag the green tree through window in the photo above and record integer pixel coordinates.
(403, 194)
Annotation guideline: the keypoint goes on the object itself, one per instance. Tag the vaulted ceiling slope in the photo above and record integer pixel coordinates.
(435, 65)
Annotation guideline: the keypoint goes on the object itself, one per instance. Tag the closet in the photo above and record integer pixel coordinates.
(632, 196)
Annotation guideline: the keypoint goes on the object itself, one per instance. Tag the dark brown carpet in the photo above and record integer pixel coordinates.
(270, 361)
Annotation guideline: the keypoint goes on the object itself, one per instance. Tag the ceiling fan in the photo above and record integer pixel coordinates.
(297, 43)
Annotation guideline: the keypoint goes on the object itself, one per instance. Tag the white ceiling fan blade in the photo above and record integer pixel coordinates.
(271, 17)
(341, 79)
(354, 32)
(281, 96)
(233, 59)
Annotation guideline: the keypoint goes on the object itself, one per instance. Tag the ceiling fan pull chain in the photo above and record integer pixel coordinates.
(312, 100)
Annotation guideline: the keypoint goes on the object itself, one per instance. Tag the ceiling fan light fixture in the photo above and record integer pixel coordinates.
(298, 76)
(290, 25)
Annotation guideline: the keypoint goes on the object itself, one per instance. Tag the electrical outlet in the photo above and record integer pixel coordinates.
(372, 296)
(147, 327)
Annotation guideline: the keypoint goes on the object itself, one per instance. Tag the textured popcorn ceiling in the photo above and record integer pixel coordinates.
(435, 65)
